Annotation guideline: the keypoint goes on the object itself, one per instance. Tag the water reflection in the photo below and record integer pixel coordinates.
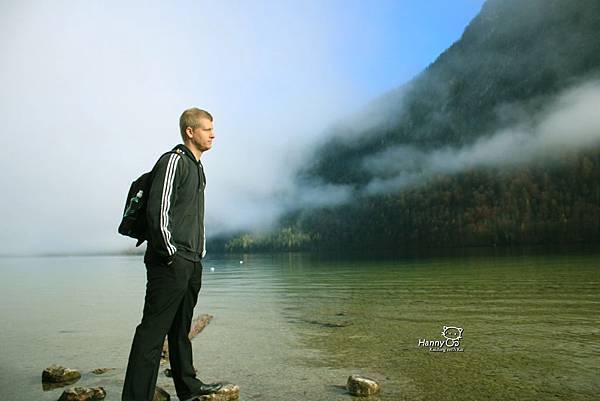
(295, 326)
(531, 324)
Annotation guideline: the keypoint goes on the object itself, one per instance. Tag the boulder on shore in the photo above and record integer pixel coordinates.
(362, 386)
(161, 394)
(198, 324)
(228, 392)
(59, 374)
(83, 394)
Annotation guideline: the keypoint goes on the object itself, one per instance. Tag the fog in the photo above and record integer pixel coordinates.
(92, 92)
(569, 122)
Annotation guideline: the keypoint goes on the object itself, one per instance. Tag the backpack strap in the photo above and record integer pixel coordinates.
(176, 151)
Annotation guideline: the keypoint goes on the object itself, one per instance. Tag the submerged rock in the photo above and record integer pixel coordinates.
(322, 323)
(169, 373)
(83, 394)
(326, 324)
(60, 374)
(362, 386)
(228, 392)
(160, 394)
(100, 371)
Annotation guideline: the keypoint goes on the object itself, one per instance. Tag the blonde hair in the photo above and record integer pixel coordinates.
(191, 118)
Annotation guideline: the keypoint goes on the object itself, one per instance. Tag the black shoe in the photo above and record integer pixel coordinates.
(205, 389)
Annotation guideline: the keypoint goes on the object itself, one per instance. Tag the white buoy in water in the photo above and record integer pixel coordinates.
(241, 261)
(212, 269)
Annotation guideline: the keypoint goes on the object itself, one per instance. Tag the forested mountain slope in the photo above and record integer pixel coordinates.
(400, 157)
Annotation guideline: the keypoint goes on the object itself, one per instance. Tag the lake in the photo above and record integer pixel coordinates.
(295, 326)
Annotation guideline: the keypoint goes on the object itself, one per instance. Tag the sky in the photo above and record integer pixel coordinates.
(92, 92)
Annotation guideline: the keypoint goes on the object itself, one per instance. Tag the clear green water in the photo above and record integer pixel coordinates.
(295, 326)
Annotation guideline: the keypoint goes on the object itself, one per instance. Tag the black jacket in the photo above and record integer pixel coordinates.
(175, 210)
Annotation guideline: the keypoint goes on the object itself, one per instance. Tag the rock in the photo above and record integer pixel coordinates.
(169, 373)
(322, 323)
(228, 392)
(326, 324)
(83, 394)
(362, 386)
(100, 371)
(161, 395)
(198, 324)
(59, 374)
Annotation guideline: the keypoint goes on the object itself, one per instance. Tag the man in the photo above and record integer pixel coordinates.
(176, 245)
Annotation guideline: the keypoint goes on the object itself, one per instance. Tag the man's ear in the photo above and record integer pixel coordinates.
(189, 132)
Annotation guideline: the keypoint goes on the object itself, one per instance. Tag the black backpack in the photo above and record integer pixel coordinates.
(133, 223)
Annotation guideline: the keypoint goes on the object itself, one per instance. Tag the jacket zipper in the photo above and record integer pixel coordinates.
(198, 210)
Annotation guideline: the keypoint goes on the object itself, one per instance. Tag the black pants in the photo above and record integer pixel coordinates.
(171, 295)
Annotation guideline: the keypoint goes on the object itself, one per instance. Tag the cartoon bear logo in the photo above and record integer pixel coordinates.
(452, 333)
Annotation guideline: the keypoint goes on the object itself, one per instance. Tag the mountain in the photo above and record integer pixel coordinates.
(514, 51)
(514, 59)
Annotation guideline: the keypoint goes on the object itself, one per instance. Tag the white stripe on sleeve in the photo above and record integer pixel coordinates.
(166, 203)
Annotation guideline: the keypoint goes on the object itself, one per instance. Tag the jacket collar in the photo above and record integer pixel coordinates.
(188, 152)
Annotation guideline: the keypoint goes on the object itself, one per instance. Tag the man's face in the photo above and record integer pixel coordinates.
(203, 135)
